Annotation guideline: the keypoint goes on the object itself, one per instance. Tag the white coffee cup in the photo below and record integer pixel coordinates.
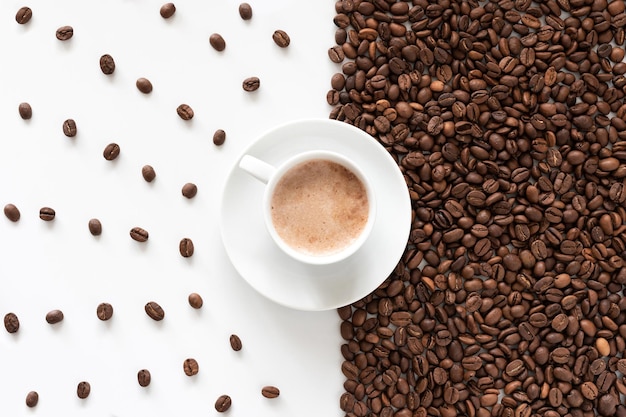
(314, 238)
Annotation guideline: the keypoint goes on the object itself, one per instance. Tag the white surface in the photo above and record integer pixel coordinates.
(45, 266)
(315, 287)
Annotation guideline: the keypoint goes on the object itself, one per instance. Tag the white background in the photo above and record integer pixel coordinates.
(60, 265)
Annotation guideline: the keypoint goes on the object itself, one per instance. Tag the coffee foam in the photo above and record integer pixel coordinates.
(319, 207)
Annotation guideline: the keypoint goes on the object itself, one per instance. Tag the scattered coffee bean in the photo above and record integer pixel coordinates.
(11, 323)
(144, 85)
(185, 247)
(217, 42)
(47, 214)
(139, 234)
(190, 367)
(185, 112)
(104, 311)
(189, 190)
(251, 84)
(270, 391)
(111, 151)
(167, 10)
(223, 403)
(154, 311)
(69, 128)
(107, 64)
(219, 137)
(144, 377)
(95, 227)
(25, 110)
(148, 174)
(12, 212)
(65, 33)
(195, 300)
(23, 15)
(281, 38)
(32, 398)
(83, 389)
(235, 342)
(245, 11)
(54, 316)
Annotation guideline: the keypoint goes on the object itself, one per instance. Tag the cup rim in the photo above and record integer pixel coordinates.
(335, 256)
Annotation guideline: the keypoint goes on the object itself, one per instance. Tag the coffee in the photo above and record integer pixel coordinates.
(319, 207)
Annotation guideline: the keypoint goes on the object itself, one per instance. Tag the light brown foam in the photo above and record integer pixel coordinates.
(319, 207)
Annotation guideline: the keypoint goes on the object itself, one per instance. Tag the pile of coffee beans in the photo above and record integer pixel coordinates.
(508, 120)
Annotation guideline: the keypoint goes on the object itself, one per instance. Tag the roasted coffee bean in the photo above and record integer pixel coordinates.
(54, 316)
(281, 38)
(144, 85)
(148, 173)
(107, 64)
(235, 342)
(69, 128)
(185, 247)
(185, 112)
(167, 10)
(154, 311)
(219, 137)
(95, 227)
(139, 234)
(144, 377)
(83, 389)
(245, 11)
(23, 15)
(12, 212)
(251, 84)
(32, 398)
(270, 391)
(111, 151)
(223, 403)
(190, 367)
(25, 110)
(189, 190)
(11, 323)
(65, 33)
(104, 311)
(217, 42)
(47, 214)
(195, 300)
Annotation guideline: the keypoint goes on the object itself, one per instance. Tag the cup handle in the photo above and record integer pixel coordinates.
(260, 170)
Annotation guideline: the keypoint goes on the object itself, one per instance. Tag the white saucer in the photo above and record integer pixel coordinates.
(308, 287)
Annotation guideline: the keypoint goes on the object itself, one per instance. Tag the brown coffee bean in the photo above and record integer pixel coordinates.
(107, 64)
(54, 316)
(589, 390)
(32, 398)
(144, 377)
(25, 110)
(154, 311)
(223, 403)
(47, 214)
(185, 247)
(190, 367)
(167, 10)
(245, 11)
(219, 137)
(65, 33)
(270, 391)
(12, 212)
(217, 42)
(69, 128)
(148, 173)
(111, 151)
(195, 300)
(23, 15)
(189, 190)
(251, 84)
(139, 234)
(83, 389)
(144, 85)
(95, 227)
(235, 342)
(185, 112)
(104, 311)
(281, 38)
(11, 323)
